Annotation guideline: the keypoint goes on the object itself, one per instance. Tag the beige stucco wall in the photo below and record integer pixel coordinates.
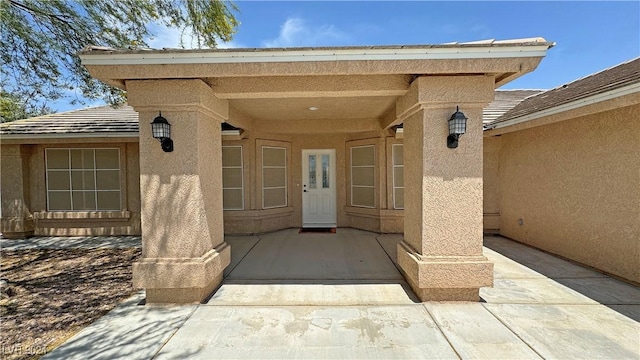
(124, 222)
(491, 191)
(573, 188)
(16, 220)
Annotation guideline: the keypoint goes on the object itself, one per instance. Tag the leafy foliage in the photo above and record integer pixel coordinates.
(40, 40)
(13, 108)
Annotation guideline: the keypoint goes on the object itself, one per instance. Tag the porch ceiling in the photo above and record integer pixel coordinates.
(297, 109)
(289, 98)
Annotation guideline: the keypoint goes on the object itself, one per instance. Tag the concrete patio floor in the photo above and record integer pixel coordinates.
(290, 295)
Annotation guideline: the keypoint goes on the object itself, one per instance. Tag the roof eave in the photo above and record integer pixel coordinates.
(593, 99)
(69, 135)
(157, 57)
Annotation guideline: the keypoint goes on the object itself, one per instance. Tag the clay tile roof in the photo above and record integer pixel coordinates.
(503, 101)
(616, 77)
(102, 119)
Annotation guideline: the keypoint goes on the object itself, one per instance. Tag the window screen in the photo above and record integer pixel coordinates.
(83, 179)
(274, 177)
(232, 178)
(363, 176)
(398, 176)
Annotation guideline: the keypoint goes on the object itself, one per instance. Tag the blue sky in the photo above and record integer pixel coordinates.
(590, 35)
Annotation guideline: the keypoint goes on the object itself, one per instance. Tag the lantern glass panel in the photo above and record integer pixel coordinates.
(156, 130)
(460, 126)
(161, 129)
(166, 131)
(457, 124)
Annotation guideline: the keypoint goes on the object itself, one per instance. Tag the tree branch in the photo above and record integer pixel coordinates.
(36, 12)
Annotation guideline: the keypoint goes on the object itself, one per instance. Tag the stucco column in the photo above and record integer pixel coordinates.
(16, 221)
(441, 254)
(183, 248)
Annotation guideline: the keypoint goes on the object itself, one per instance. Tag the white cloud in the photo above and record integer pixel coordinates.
(169, 37)
(165, 37)
(296, 32)
(230, 45)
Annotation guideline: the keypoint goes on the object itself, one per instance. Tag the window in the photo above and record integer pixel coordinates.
(83, 179)
(274, 177)
(232, 178)
(313, 171)
(398, 176)
(363, 176)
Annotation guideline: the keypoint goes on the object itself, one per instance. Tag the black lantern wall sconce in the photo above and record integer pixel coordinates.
(161, 130)
(457, 127)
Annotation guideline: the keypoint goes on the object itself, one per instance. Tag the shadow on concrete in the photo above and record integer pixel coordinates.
(127, 332)
(287, 267)
(621, 297)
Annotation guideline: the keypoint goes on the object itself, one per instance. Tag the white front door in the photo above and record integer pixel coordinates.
(319, 188)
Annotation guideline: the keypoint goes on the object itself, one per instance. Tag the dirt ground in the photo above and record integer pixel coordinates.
(49, 295)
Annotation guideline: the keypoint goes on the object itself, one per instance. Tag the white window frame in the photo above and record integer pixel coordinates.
(241, 167)
(286, 192)
(393, 170)
(70, 170)
(363, 166)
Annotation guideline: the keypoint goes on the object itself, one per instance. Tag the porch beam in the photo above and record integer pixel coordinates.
(239, 119)
(119, 72)
(389, 119)
(505, 78)
(265, 87)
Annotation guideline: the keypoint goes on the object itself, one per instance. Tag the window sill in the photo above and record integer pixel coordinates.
(80, 215)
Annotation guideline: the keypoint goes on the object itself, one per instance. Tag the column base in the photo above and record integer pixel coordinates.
(181, 281)
(182, 295)
(445, 278)
(16, 227)
(472, 294)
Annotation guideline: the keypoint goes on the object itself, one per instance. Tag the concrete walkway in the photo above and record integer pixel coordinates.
(71, 242)
(339, 296)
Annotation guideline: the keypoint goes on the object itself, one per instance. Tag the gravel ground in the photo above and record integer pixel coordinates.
(49, 295)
